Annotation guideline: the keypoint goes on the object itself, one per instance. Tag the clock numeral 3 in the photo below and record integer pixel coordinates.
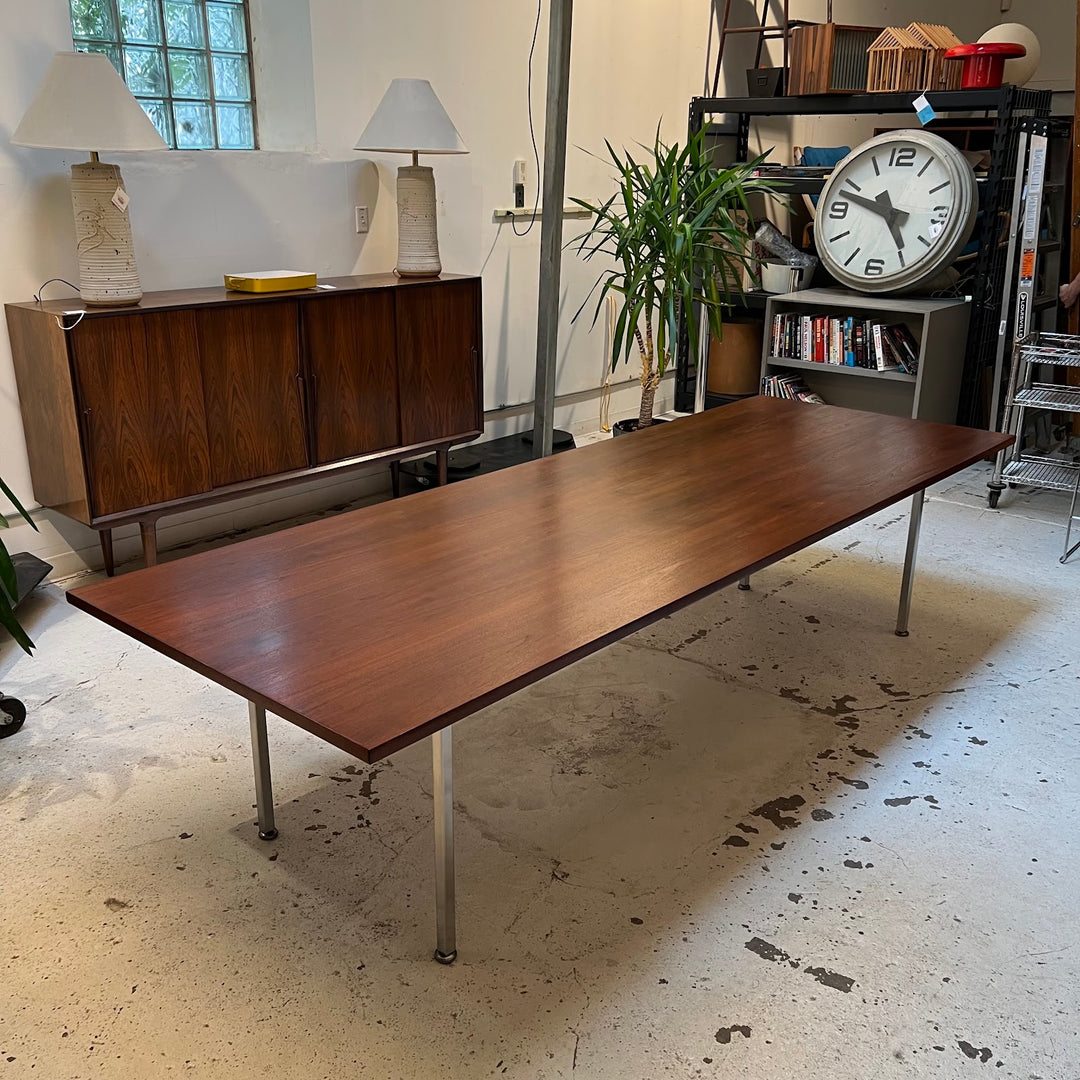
(902, 155)
(874, 267)
(838, 210)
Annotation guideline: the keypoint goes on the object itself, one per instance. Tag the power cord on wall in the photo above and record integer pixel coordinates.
(532, 131)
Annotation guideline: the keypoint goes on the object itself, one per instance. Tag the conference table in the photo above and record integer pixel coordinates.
(382, 626)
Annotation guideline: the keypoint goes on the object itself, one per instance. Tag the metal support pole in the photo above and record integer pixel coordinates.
(909, 563)
(547, 320)
(442, 792)
(260, 756)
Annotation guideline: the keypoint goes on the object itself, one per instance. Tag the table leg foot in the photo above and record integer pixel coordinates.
(260, 756)
(442, 790)
(744, 583)
(914, 522)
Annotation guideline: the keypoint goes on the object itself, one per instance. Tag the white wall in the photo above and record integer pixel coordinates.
(196, 215)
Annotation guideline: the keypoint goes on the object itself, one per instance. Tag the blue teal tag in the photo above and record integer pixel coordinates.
(923, 110)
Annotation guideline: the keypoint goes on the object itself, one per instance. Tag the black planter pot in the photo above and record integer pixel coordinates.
(625, 427)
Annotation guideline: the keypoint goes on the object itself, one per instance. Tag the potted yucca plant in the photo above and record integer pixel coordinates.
(673, 231)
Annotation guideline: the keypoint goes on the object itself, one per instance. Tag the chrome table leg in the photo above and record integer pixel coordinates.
(909, 563)
(442, 790)
(744, 583)
(260, 756)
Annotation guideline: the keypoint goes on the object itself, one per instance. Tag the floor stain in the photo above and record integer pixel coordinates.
(116, 905)
(736, 841)
(832, 979)
(767, 951)
(724, 1034)
(983, 1053)
(861, 785)
(821, 815)
(775, 811)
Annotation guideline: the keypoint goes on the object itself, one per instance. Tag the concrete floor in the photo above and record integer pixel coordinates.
(763, 839)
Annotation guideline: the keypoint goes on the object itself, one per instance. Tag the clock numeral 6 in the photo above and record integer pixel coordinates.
(902, 155)
(838, 209)
(874, 267)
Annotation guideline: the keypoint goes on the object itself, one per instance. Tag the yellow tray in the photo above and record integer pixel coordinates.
(261, 281)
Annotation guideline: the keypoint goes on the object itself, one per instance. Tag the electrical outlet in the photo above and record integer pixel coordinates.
(362, 223)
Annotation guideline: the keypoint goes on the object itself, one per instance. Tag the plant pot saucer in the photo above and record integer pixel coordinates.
(626, 427)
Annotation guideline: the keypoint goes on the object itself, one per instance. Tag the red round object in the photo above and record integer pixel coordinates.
(984, 62)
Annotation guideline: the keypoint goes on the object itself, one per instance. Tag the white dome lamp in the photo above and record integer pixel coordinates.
(1021, 71)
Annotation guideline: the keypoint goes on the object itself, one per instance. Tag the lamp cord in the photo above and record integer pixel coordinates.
(532, 130)
(59, 321)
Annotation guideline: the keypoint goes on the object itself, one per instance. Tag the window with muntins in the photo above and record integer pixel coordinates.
(188, 63)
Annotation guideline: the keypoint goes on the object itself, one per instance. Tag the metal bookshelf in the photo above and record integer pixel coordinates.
(1006, 104)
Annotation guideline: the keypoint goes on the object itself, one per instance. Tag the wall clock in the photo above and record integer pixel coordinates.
(895, 212)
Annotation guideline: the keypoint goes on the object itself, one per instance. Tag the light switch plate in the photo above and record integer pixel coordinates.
(362, 222)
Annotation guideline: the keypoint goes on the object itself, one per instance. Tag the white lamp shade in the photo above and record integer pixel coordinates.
(410, 119)
(84, 105)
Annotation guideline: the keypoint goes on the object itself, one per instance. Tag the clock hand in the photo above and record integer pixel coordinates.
(883, 207)
(870, 204)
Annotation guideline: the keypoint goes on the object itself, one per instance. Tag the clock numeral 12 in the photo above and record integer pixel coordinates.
(902, 155)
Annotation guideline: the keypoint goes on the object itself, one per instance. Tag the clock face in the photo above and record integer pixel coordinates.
(895, 212)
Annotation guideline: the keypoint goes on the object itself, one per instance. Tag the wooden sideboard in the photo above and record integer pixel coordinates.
(201, 395)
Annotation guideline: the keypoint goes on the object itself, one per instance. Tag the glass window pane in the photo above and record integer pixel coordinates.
(184, 25)
(189, 73)
(235, 128)
(231, 79)
(226, 25)
(145, 71)
(159, 112)
(93, 19)
(111, 51)
(194, 126)
(139, 21)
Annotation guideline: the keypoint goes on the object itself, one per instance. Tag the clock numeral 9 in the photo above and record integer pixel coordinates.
(874, 267)
(838, 210)
(902, 155)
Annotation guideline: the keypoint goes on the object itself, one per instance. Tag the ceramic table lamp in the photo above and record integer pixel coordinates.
(410, 119)
(84, 105)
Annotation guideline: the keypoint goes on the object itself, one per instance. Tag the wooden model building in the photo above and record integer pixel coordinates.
(913, 58)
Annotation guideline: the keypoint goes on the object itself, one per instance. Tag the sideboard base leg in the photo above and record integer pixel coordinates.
(148, 531)
(105, 539)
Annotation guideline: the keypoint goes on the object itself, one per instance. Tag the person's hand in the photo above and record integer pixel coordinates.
(1068, 294)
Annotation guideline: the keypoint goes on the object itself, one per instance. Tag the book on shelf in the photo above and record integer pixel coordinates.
(844, 341)
(791, 387)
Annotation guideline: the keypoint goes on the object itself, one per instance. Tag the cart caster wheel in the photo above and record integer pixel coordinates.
(1013, 487)
(12, 715)
(993, 499)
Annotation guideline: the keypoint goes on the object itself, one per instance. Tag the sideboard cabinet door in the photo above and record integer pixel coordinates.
(140, 396)
(350, 345)
(438, 336)
(254, 390)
